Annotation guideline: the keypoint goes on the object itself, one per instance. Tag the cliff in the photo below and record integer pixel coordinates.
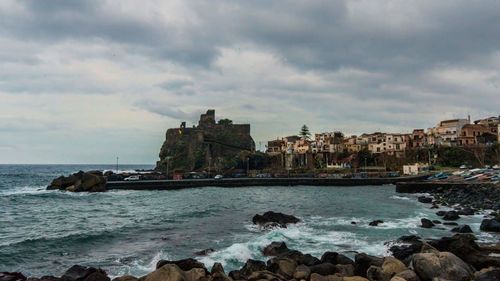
(215, 145)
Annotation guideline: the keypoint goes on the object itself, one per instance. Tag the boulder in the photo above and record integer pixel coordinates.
(184, 264)
(167, 272)
(92, 181)
(424, 199)
(323, 269)
(195, 274)
(376, 222)
(426, 223)
(274, 217)
(466, 212)
(450, 223)
(354, 278)
(441, 213)
(12, 276)
(264, 275)
(97, 276)
(464, 246)
(451, 216)
(302, 272)
(282, 266)
(408, 275)
(488, 274)
(275, 249)
(252, 266)
(462, 229)
(217, 268)
(390, 267)
(205, 252)
(490, 225)
(300, 258)
(80, 273)
(443, 265)
(345, 269)
(363, 262)
(236, 275)
(335, 258)
(436, 221)
(125, 278)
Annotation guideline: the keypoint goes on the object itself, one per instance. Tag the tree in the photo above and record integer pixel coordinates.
(225, 121)
(304, 132)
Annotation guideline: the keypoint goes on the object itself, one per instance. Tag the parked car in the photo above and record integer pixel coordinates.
(218, 177)
(132, 178)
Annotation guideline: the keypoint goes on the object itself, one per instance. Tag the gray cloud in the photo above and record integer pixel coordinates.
(354, 65)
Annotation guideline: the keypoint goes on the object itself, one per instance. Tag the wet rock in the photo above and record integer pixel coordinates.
(323, 269)
(335, 258)
(462, 229)
(274, 217)
(440, 213)
(436, 221)
(376, 222)
(252, 266)
(363, 262)
(490, 225)
(184, 264)
(426, 223)
(275, 249)
(12, 276)
(390, 267)
(451, 216)
(205, 252)
(424, 199)
(92, 181)
(466, 212)
(450, 223)
(443, 265)
(80, 273)
(302, 272)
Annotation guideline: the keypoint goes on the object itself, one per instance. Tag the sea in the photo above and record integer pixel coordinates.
(127, 232)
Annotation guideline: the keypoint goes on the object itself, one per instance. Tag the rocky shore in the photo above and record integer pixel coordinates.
(92, 181)
(455, 258)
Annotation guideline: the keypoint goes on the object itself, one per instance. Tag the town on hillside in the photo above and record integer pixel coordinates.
(223, 148)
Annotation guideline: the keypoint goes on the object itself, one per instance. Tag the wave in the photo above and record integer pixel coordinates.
(40, 189)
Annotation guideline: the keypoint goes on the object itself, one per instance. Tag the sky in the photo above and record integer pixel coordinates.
(87, 81)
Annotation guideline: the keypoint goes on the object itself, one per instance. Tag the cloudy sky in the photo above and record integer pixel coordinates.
(86, 81)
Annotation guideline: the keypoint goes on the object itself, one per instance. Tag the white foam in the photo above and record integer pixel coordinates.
(400, 197)
(40, 189)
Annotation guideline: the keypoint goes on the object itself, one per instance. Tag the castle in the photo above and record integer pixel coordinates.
(211, 144)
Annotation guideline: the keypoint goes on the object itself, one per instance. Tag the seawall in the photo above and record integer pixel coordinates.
(242, 182)
(421, 187)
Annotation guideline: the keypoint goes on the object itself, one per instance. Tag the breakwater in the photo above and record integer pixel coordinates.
(432, 186)
(243, 182)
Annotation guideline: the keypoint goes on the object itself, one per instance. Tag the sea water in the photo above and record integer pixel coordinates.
(126, 232)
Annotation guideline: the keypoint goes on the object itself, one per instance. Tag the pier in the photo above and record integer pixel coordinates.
(242, 182)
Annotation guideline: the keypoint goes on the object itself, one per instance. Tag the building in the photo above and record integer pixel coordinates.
(395, 144)
(471, 134)
(491, 123)
(446, 132)
(418, 138)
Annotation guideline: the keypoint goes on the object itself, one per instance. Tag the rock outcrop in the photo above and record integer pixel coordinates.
(92, 181)
(274, 219)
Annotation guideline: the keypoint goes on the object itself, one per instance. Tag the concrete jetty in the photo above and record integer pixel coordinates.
(242, 182)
